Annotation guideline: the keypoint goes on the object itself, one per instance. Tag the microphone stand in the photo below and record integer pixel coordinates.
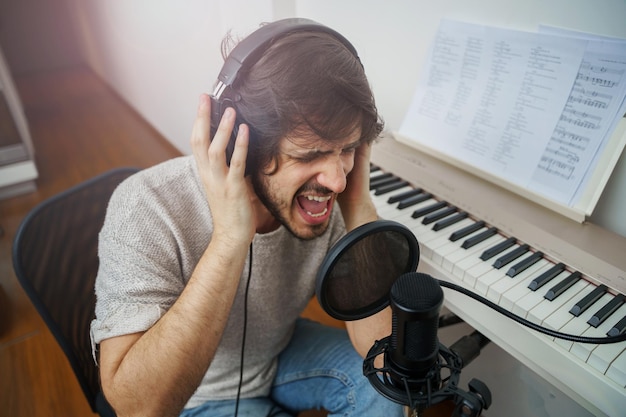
(421, 393)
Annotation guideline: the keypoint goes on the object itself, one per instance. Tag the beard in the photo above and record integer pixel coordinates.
(281, 209)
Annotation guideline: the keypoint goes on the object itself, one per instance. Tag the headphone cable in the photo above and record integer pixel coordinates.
(245, 325)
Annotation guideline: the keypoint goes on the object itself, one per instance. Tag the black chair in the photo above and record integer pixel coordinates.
(55, 260)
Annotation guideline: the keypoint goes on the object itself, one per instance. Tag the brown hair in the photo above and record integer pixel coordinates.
(305, 80)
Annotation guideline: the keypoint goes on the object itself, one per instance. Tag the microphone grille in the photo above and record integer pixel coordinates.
(417, 292)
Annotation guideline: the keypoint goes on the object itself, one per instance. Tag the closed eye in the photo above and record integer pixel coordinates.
(307, 157)
(315, 154)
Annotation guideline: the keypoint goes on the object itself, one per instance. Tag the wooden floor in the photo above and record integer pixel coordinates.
(80, 128)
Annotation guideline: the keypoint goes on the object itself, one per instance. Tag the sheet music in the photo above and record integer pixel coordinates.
(504, 102)
(593, 109)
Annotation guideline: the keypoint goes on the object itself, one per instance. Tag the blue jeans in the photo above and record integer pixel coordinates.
(318, 369)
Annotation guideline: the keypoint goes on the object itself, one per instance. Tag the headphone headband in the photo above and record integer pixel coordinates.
(249, 50)
(247, 53)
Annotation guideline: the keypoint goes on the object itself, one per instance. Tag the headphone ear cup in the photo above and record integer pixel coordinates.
(230, 148)
(217, 111)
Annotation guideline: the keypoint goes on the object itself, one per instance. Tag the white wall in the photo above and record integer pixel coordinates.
(161, 54)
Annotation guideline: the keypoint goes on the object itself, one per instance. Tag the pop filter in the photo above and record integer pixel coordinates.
(356, 276)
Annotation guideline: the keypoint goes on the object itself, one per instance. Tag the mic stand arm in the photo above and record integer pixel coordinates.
(468, 347)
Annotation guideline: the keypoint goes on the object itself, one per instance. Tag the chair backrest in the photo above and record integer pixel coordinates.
(56, 261)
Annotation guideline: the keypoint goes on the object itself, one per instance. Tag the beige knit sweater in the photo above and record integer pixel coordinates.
(158, 225)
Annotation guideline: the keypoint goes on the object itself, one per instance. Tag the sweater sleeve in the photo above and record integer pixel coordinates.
(144, 261)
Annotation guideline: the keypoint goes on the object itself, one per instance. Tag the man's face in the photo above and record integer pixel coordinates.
(311, 172)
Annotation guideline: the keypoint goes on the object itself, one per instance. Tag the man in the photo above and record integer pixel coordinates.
(204, 270)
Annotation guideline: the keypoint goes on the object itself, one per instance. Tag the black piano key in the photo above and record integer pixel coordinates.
(609, 308)
(401, 196)
(524, 264)
(389, 188)
(562, 286)
(431, 218)
(416, 199)
(511, 256)
(428, 209)
(374, 168)
(442, 224)
(383, 181)
(467, 230)
(546, 277)
(586, 302)
(380, 178)
(619, 328)
(494, 250)
(475, 240)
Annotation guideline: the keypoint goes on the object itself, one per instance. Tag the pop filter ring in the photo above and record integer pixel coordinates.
(343, 245)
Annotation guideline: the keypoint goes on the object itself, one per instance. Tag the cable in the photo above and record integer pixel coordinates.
(527, 323)
(245, 326)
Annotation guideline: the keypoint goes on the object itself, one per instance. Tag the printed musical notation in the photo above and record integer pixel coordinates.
(531, 108)
(593, 107)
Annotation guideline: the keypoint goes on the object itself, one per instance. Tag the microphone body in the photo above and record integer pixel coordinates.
(416, 300)
(414, 358)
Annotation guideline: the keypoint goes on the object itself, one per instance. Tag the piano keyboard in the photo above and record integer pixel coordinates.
(459, 247)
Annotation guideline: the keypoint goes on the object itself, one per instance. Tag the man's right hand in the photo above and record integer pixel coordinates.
(227, 189)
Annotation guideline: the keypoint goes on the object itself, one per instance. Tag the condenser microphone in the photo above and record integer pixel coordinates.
(372, 267)
(416, 300)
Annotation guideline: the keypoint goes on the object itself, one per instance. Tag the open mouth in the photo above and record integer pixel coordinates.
(314, 206)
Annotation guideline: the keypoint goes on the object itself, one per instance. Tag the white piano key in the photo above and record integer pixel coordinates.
(375, 175)
(404, 216)
(484, 282)
(603, 355)
(488, 279)
(617, 370)
(531, 299)
(425, 228)
(387, 211)
(471, 275)
(477, 271)
(453, 258)
(380, 200)
(400, 216)
(518, 283)
(578, 325)
(421, 231)
(474, 259)
(435, 239)
(440, 253)
(560, 317)
(544, 309)
(584, 350)
(512, 295)
(444, 246)
(428, 235)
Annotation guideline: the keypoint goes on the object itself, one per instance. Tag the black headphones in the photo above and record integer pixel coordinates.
(248, 52)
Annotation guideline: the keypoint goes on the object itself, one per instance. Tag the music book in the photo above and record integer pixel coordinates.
(538, 113)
